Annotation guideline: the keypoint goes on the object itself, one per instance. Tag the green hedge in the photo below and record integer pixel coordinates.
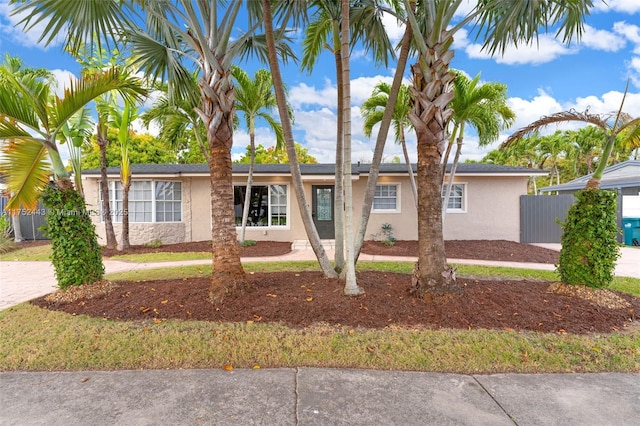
(76, 255)
(589, 245)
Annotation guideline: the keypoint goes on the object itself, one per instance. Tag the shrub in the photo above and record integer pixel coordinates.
(153, 243)
(589, 246)
(76, 255)
(387, 231)
(248, 243)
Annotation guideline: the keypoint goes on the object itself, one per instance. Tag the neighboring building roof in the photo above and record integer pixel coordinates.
(311, 169)
(621, 175)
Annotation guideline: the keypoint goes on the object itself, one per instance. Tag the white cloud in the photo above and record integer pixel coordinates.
(602, 39)
(626, 6)
(15, 33)
(545, 50)
(395, 29)
(630, 32)
(303, 94)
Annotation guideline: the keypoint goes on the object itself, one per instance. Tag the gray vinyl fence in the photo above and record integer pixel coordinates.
(30, 221)
(539, 215)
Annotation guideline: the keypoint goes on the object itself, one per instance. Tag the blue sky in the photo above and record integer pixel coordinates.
(542, 79)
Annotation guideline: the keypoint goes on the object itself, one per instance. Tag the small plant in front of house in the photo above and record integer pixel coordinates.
(387, 231)
(153, 243)
(248, 243)
(6, 241)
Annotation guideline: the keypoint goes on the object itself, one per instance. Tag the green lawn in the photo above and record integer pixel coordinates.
(37, 339)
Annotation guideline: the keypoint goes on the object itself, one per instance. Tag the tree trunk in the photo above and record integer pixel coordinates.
(125, 214)
(247, 194)
(228, 276)
(351, 287)
(296, 176)
(430, 115)
(407, 161)
(17, 233)
(385, 124)
(339, 187)
(452, 175)
(103, 141)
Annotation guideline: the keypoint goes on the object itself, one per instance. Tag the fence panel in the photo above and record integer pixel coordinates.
(539, 215)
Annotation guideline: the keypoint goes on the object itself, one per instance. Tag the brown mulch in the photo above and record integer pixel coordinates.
(501, 250)
(306, 298)
(262, 248)
(301, 299)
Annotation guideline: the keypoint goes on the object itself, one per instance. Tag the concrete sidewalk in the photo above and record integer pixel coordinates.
(310, 396)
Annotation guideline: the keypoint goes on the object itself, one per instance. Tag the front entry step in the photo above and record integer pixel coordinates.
(305, 245)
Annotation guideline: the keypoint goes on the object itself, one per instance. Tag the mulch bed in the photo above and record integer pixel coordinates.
(301, 299)
(306, 298)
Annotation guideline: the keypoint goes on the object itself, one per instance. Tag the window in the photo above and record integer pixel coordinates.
(267, 206)
(149, 201)
(386, 198)
(456, 198)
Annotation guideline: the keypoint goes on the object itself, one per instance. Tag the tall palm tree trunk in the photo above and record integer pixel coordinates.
(351, 287)
(103, 141)
(385, 124)
(339, 186)
(228, 275)
(296, 176)
(126, 186)
(430, 114)
(407, 161)
(247, 194)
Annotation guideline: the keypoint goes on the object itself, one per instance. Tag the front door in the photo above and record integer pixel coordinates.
(322, 210)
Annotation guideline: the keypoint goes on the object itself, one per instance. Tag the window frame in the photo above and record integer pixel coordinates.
(117, 206)
(270, 206)
(398, 198)
(463, 197)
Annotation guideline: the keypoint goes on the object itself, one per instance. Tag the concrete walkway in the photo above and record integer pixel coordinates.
(311, 396)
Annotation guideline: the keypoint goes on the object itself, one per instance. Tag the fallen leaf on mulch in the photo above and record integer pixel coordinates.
(599, 296)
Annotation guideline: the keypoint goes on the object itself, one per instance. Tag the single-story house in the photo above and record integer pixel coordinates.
(171, 202)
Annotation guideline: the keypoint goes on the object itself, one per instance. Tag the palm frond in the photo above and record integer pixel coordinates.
(26, 169)
(559, 117)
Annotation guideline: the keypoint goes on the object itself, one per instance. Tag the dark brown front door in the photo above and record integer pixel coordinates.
(322, 210)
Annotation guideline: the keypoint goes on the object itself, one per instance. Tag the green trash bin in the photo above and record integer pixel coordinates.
(631, 229)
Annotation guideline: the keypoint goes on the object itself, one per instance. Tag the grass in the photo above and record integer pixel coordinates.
(37, 339)
(28, 254)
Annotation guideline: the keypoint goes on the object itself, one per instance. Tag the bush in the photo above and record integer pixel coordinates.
(153, 243)
(589, 246)
(248, 243)
(76, 255)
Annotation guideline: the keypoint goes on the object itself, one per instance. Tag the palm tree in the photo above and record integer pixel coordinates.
(76, 133)
(32, 118)
(255, 98)
(373, 110)
(324, 32)
(483, 107)
(500, 23)
(200, 33)
(294, 166)
(613, 125)
(122, 120)
(177, 118)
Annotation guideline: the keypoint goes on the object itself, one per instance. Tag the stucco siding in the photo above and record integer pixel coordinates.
(492, 210)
